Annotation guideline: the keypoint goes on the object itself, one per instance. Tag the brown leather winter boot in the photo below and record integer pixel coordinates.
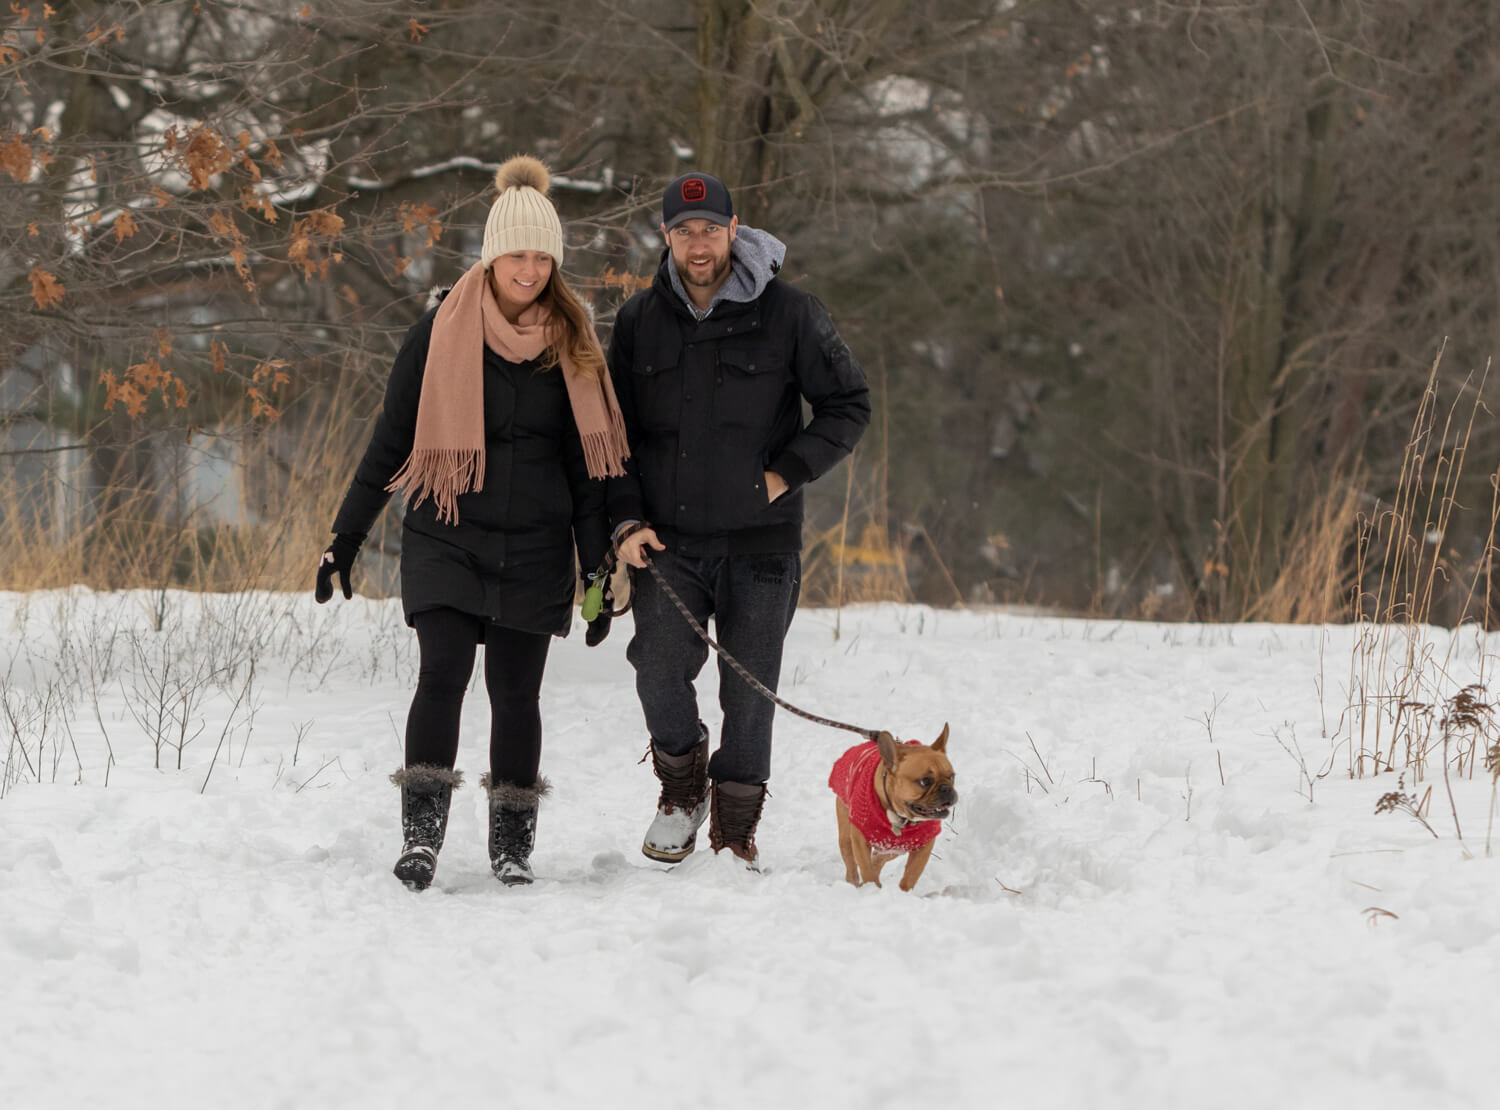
(733, 815)
(683, 804)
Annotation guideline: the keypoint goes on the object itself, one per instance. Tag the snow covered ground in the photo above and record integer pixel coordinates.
(1137, 904)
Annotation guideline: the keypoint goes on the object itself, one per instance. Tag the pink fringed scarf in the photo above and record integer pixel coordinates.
(447, 455)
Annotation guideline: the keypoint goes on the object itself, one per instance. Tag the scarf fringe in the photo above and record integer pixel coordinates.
(601, 456)
(604, 449)
(442, 474)
(450, 410)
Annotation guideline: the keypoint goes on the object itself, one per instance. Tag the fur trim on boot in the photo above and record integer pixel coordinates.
(506, 793)
(512, 836)
(424, 773)
(426, 795)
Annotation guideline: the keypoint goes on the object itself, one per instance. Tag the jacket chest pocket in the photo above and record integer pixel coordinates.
(656, 385)
(748, 387)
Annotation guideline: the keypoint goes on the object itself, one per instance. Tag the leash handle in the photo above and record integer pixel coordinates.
(755, 684)
(594, 594)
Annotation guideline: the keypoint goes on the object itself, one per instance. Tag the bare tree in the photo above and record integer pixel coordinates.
(1139, 288)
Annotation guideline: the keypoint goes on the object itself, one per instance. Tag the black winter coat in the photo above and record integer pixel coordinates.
(711, 405)
(509, 557)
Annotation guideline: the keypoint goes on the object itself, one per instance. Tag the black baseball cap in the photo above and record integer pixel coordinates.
(696, 196)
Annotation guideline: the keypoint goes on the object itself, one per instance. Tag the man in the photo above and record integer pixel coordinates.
(712, 364)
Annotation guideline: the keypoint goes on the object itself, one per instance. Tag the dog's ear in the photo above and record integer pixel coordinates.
(941, 743)
(889, 749)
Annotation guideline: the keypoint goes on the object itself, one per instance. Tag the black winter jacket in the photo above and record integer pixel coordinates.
(509, 557)
(711, 405)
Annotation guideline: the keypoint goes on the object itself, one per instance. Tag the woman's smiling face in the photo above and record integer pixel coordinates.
(520, 277)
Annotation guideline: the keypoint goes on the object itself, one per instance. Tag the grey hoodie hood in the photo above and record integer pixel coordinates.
(755, 257)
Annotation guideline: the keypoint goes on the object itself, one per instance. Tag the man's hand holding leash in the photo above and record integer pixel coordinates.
(633, 543)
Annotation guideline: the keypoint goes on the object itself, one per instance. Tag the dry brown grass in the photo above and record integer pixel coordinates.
(1315, 580)
(290, 480)
(855, 560)
(1403, 679)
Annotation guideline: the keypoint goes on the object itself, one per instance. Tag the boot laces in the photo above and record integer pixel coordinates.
(734, 821)
(680, 786)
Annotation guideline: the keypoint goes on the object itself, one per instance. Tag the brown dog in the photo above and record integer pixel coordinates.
(892, 798)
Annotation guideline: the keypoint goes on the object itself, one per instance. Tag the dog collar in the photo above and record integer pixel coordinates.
(898, 823)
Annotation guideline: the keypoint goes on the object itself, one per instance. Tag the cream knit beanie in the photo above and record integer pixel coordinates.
(522, 218)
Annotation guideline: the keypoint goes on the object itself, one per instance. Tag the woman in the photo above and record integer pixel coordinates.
(499, 425)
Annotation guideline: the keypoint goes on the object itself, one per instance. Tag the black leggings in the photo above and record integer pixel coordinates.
(513, 665)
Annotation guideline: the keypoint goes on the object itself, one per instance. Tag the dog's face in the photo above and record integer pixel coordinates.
(919, 778)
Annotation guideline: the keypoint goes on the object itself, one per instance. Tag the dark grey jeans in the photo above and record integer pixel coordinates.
(752, 599)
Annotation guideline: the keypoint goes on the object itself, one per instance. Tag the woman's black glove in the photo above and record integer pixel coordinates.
(338, 558)
(599, 627)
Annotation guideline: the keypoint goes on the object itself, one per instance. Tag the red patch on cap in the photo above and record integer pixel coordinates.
(694, 190)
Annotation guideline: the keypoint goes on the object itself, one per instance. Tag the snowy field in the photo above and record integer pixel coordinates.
(1147, 898)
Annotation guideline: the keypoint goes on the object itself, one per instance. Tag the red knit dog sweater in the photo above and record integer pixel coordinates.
(853, 780)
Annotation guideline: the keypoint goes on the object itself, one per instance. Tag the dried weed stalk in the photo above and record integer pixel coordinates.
(1401, 667)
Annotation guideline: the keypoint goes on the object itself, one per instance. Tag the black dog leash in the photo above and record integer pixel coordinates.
(738, 668)
(597, 597)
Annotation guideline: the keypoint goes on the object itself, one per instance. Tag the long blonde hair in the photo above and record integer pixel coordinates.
(572, 327)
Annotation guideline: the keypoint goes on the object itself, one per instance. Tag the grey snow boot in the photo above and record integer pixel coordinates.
(683, 804)
(426, 793)
(513, 828)
(735, 814)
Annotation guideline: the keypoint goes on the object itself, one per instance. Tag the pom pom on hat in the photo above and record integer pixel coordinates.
(522, 218)
(523, 171)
